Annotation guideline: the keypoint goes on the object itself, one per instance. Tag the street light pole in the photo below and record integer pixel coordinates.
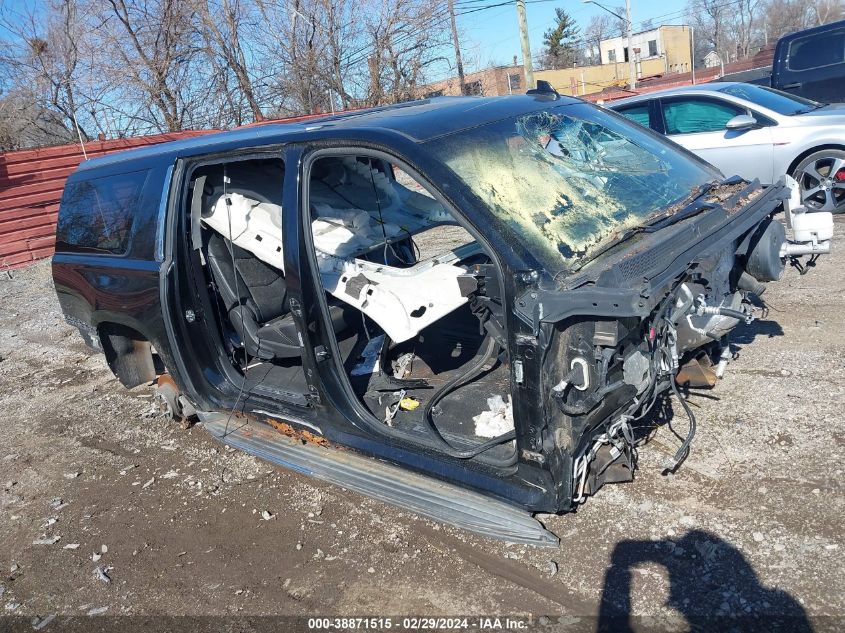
(632, 66)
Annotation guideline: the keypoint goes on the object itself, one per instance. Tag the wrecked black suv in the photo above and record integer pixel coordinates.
(466, 307)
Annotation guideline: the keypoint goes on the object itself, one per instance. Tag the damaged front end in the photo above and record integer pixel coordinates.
(649, 319)
(648, 259)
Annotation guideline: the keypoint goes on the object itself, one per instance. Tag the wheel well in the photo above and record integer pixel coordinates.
(812, 150)
(128, 354)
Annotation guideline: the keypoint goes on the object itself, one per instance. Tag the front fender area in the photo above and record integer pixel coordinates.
(790, 155)
(571, 426)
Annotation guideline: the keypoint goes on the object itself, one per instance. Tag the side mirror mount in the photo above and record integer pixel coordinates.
(741, 122)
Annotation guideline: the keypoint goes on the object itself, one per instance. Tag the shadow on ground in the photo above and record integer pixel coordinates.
(711, 585)
(745, 333)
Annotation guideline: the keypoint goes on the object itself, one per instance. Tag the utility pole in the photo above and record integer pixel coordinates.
(458, 59)
(632, 65)
(692, 53)
(526, 47)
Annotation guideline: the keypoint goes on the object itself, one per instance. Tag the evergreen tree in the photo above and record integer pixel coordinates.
(561, 42)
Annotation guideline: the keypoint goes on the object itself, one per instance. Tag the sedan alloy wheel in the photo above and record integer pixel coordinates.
(822, 180)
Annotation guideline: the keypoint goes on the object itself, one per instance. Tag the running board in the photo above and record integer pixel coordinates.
(434, 499)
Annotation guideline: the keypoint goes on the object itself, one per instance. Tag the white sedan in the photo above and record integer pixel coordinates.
(753, 132)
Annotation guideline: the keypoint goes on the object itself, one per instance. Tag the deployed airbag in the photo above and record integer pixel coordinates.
(252, 225)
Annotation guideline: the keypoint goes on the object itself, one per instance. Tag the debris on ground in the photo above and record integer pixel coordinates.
(714, 505)
(57, 503)
(101, 574)
(40, 624)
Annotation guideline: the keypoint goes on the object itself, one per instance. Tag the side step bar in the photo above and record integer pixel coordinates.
(423, 495)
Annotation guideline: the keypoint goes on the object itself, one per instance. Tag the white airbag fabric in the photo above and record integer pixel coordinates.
(255, 226)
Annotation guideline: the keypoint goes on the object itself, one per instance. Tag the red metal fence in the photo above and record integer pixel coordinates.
(31, 183)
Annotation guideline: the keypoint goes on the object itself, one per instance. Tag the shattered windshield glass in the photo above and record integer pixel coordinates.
(570, 179)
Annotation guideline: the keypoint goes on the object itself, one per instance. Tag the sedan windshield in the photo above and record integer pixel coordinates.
(774, 100)
(570, 179)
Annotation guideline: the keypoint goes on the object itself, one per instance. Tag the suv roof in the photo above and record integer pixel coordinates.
(419, 121)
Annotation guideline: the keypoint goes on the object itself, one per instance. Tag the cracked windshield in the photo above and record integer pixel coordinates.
(571, 179)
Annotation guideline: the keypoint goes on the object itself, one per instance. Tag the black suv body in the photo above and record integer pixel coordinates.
(811, 63)
(281, 282)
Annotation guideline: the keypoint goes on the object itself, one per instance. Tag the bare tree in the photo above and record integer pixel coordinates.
(746, 14)
(403, 45)
(224, 27)
(43, 65)
(709, 17)
(127, 67)
(600, 28)
(153, 49)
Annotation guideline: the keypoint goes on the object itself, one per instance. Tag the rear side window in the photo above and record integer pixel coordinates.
(97, 214)
(816, 51)
(637, 113)
(689, 116)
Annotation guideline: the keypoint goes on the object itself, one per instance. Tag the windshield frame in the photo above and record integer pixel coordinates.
(547, 253)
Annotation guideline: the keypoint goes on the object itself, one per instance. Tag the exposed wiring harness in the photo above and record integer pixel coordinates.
(619, 433)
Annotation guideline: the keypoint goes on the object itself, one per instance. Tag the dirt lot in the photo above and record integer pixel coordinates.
(752, 524)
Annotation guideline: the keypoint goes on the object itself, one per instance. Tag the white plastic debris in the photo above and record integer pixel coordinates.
(96, 556)
(100, 574)
(402, 365)
(71, 475)
(267, 515)
(44, 622)
(57, 503)
(51, 540)
(497, 420)
(149, 482)
(71, 546)
(97, 611)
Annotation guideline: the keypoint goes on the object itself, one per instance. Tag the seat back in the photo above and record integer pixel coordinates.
(259, 287)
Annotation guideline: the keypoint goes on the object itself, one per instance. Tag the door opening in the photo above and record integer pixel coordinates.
(425, 351)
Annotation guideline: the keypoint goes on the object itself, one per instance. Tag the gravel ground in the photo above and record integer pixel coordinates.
(109, 509)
